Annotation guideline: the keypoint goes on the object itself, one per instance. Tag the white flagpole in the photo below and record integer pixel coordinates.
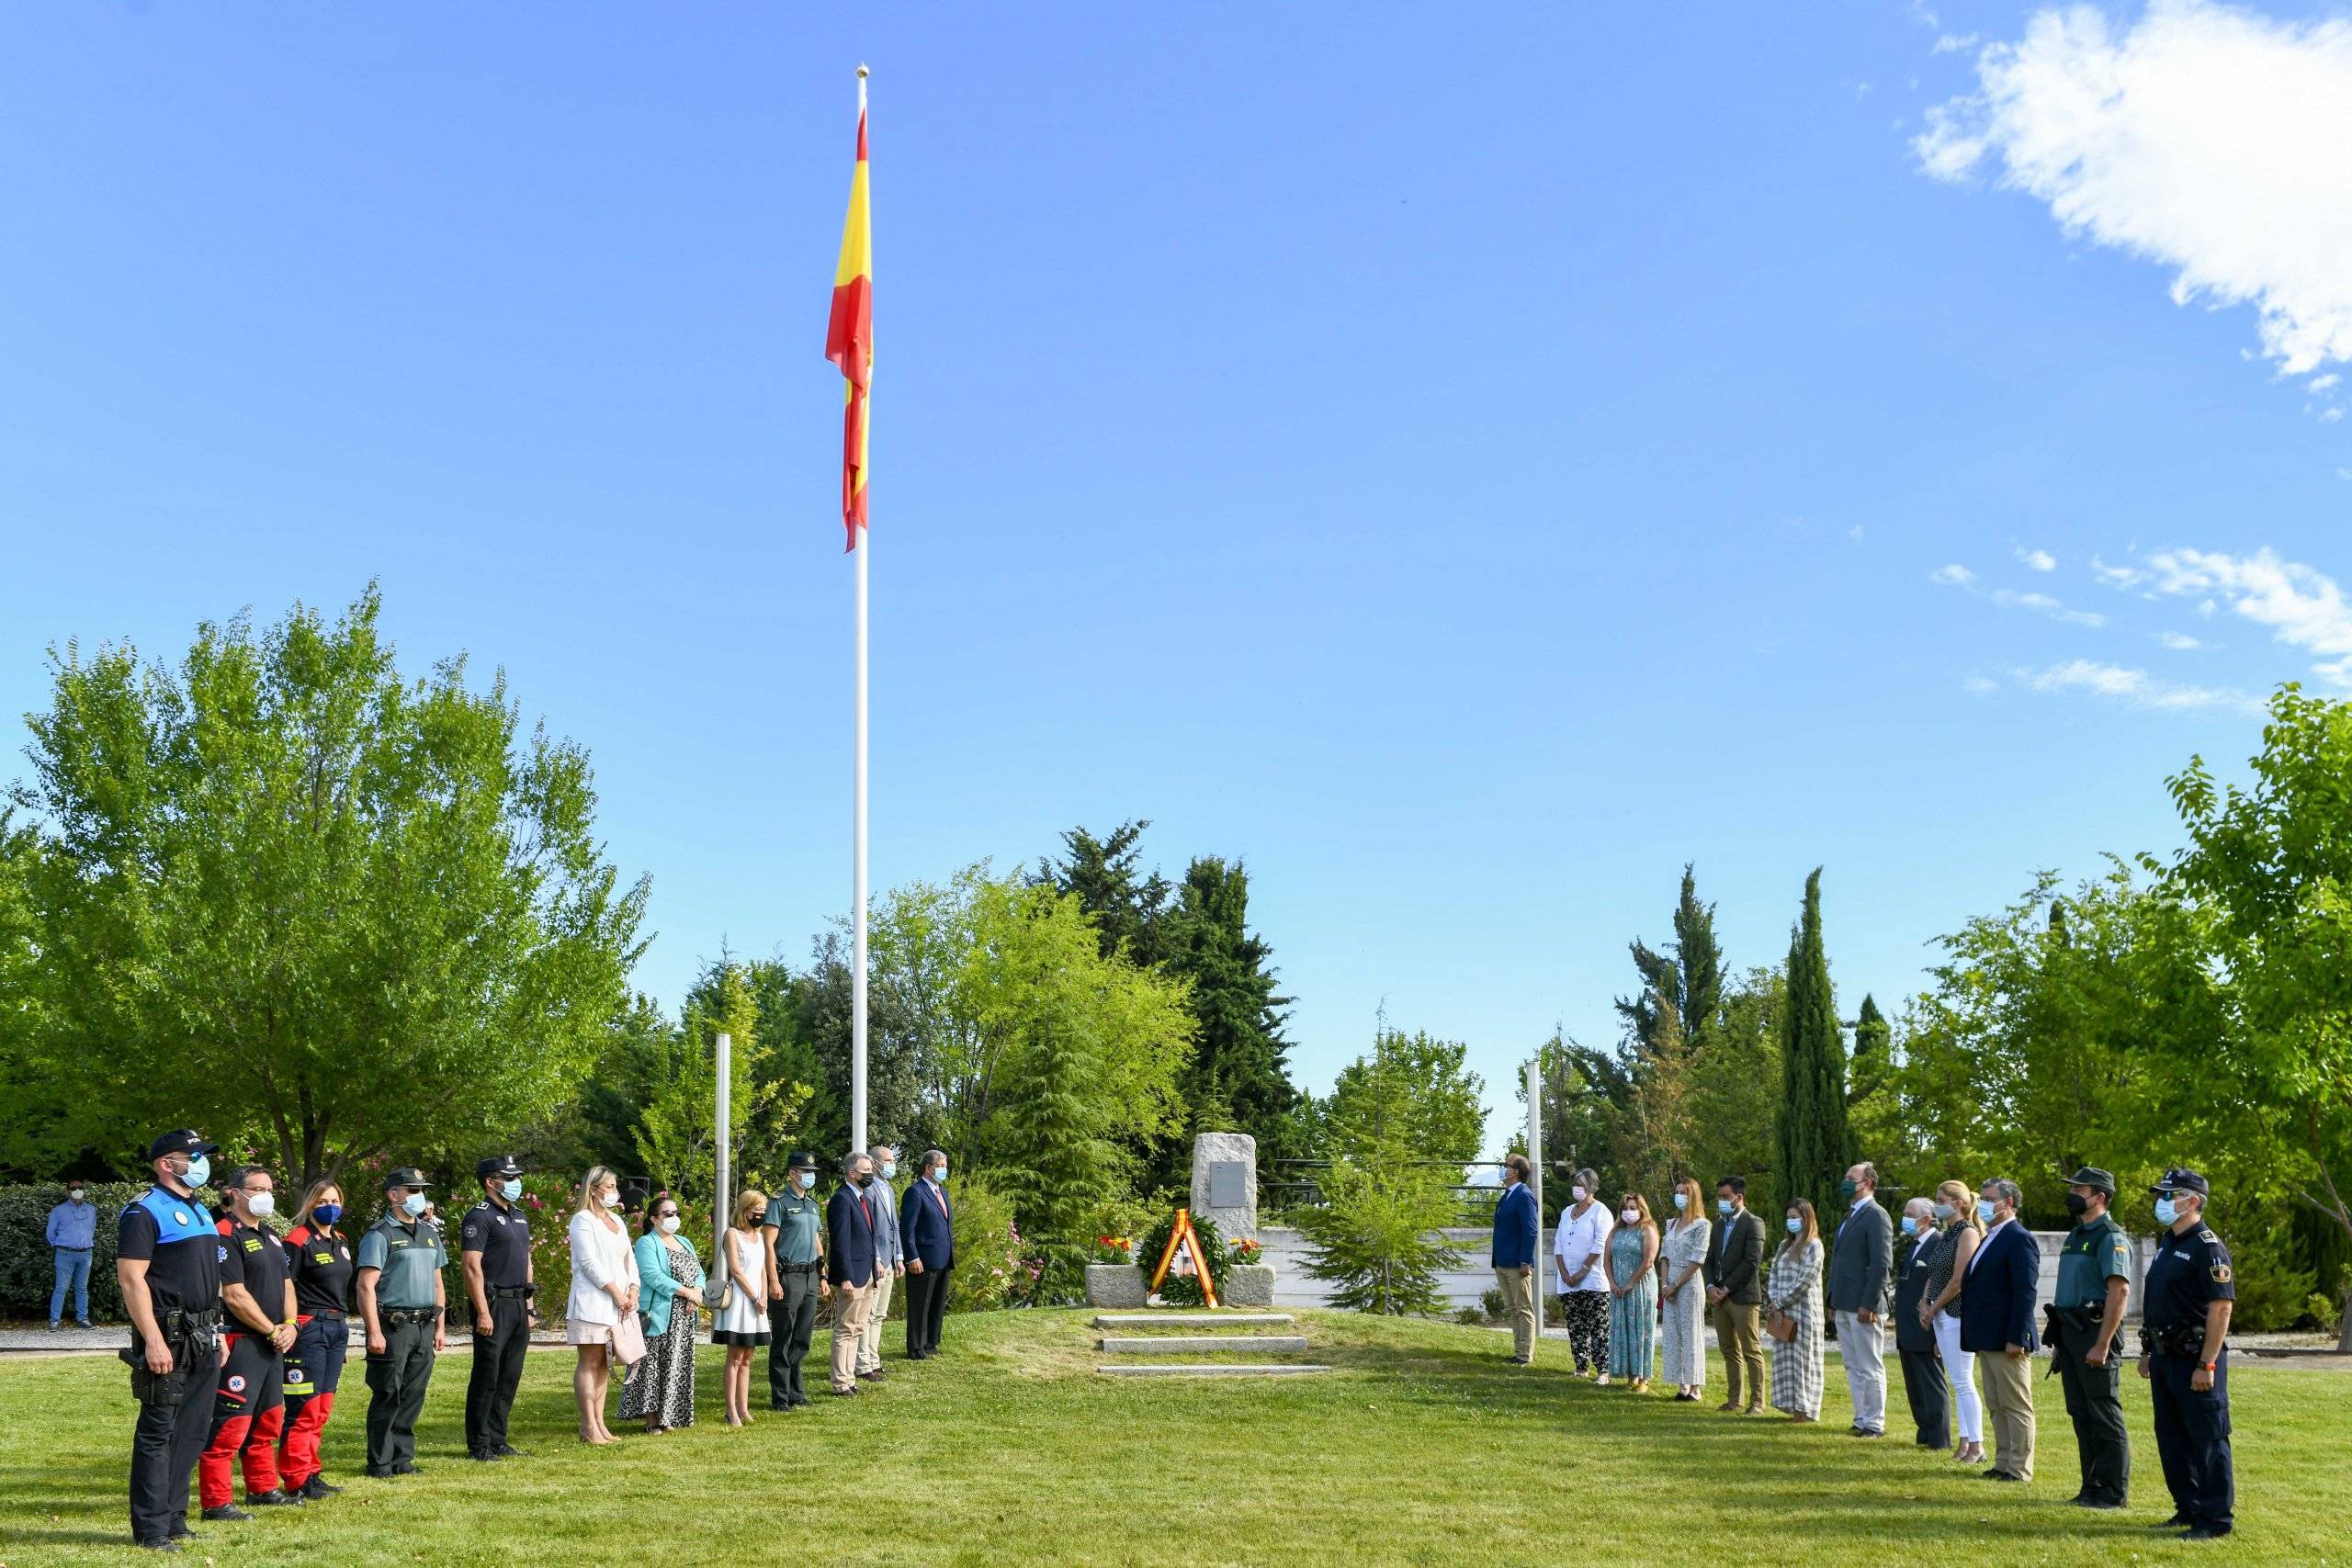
(857, 875)
(723, 1204)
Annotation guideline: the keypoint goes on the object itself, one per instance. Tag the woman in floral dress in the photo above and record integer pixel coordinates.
(1632, 1293)
(659, 1390)
(1683, 1312)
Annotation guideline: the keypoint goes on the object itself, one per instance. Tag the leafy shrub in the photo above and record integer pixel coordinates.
(1470, 1317)
(1492, 1304)
(994, 1267)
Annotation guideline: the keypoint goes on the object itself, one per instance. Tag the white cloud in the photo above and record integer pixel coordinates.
(1952, 576)
(2117, 575)
(2180, 642)
(2050, 607)
(2323, 383)
(1977, 685)
(2302, 607)
(2038, 560)
(1855, 533)
(2213, 140)
(2329, 416)
(1955, 43)
(2134, 686)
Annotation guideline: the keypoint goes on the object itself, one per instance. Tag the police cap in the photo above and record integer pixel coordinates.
(497, 1165)
(181, 1141)
(405, 1176)
(801, 1160)
(2095, 1178)
(2183, 1181)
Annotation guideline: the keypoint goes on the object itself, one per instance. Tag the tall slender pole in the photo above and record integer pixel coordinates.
(1535, 1137)
(722, 1205)
(858, 855)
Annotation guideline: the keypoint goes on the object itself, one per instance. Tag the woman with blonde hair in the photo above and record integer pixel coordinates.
(1793, 1296)
(1958, 1234)
(742, 1324)
(1632, 1293)
(601, 1317)
(319, 1265)
(1682, 1343)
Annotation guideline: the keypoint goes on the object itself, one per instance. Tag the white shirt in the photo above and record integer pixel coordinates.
(601, 1255)
(1579, 1239)
(1983, 1241)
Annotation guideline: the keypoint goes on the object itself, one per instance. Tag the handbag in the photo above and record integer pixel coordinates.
(1781, 1326)
(718, 1288)
(629, 1340)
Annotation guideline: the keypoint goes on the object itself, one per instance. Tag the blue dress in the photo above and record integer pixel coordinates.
(1632, 1317)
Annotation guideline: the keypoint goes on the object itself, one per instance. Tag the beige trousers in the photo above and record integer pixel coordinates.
(1519, 1305)
(1736, 1336)
(850, 1304)
(869, 1344)
(2008, 1401)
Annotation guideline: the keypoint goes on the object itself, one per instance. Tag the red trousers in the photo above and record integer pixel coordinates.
(246, 1418)
(313, 1369)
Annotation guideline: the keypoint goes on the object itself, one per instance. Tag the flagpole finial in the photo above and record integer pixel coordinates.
(861, 73)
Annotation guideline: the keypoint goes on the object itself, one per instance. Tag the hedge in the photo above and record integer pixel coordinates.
(26, 1270)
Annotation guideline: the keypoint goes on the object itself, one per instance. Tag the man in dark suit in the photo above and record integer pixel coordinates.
(927, 1231)
(1997, 1323)
(850, 1254)
(1517, 1231)
(1862, 1266)
(1736, 1294)
(1923, 1370)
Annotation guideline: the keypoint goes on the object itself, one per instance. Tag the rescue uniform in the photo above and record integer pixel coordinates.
(2094, 1253)
(500, 1234)
(174, 1236)
(249, 1411)
(409, 1258)
(798, 1219)
(2189, 1272)
(320, 1261)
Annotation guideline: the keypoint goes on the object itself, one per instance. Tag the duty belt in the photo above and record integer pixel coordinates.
(800, 1268)
(410, 1314)
(181, 1324)
(2175, 1340)
(512, 1292)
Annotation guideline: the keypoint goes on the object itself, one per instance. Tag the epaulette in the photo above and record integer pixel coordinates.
(2208, 1236)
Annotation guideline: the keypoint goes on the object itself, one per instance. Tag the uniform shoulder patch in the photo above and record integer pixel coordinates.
(2221, 1272)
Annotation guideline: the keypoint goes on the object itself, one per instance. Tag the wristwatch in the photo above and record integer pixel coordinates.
(2210, 1365)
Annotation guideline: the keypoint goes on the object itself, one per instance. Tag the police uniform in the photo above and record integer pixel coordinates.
(319, 1258)
(2189, 1272)
(798, 1221)
(2095, 1252)
(408, 1257)
(174, 1236)
(250, 1413)
(500, 1233)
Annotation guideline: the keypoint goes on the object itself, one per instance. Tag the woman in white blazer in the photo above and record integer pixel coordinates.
(603, 1289)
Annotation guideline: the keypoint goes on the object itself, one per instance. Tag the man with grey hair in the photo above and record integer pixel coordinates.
(927, 1235)
(889, 1260)
(1923, 1384)
(1577, 1247)
(1860, 1271)
(850, 1266)
(1996, 1306)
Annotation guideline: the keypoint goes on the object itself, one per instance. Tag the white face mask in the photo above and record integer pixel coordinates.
(261, 1205)
(1578, 1194)
(1681, 1200)
(76, 1194)
(668, 1225)
(1629, 1215)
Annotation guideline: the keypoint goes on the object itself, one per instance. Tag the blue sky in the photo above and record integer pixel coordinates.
(1465, 468)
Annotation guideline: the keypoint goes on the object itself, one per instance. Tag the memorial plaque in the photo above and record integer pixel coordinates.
(1229, 1185)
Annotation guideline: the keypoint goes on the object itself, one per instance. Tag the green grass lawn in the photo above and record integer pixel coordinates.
(1423, 1447)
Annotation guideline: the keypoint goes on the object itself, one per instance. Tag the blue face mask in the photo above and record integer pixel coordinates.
(1910, 1224)
(1722, 1205)
(413, 1205)
(513, 1190)
(940, 1175)
(1796, 1226)
(890, 1171)
(200, 1171)
(1986, 1210)
(327, 1213)
(2167, 1211)
(1943, 1210)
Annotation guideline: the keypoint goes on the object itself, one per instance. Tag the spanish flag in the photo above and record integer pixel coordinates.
(849, 336)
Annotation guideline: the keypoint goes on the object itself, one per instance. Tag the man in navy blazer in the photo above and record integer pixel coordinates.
(1517, 1227)
(1997, 1303)
(850, 1254)
(926, 1229)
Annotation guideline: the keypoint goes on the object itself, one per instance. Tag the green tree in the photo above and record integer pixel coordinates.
(1736, 1083)
(1240, 1073)
(1378, 1237)
(1414, 1093)
(1873, 1044)
(1812, 1145)
(1690, 977)
(675, 1136)
(2272, 861)
(1053, 1130)
(1104, 875)
(288, 896)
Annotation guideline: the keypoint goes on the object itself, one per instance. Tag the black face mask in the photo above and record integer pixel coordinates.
(2077, 1205)
(864, 1180)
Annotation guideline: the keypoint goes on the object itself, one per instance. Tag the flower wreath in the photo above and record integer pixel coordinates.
(1184, 1289)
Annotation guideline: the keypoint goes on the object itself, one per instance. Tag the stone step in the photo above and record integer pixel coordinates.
(1204, 1344)
(1193, 1320)
(1235, 1370)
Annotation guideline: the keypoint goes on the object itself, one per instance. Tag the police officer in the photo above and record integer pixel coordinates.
(258, 1296)
(402, 1302)
(167, 1260)
(2086, 1314)
(2184, 1354)
(795, 1234)
(494, 1245)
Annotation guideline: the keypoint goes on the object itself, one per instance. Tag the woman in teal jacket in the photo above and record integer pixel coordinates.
(661, 1389)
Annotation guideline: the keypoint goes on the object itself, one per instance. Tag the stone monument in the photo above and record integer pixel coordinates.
(1225, 1191)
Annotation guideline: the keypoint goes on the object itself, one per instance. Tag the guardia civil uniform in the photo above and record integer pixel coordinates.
(2095, 1253)
(407, 1256)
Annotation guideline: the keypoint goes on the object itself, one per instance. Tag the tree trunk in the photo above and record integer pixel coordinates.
(2344, 1325)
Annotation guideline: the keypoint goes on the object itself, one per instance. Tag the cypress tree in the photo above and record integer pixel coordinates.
(1239, 1072)
(1871, 1038)
(1700, 959)
(1811, 1141)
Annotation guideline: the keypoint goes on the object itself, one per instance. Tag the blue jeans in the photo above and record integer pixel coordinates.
(73, 1271)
